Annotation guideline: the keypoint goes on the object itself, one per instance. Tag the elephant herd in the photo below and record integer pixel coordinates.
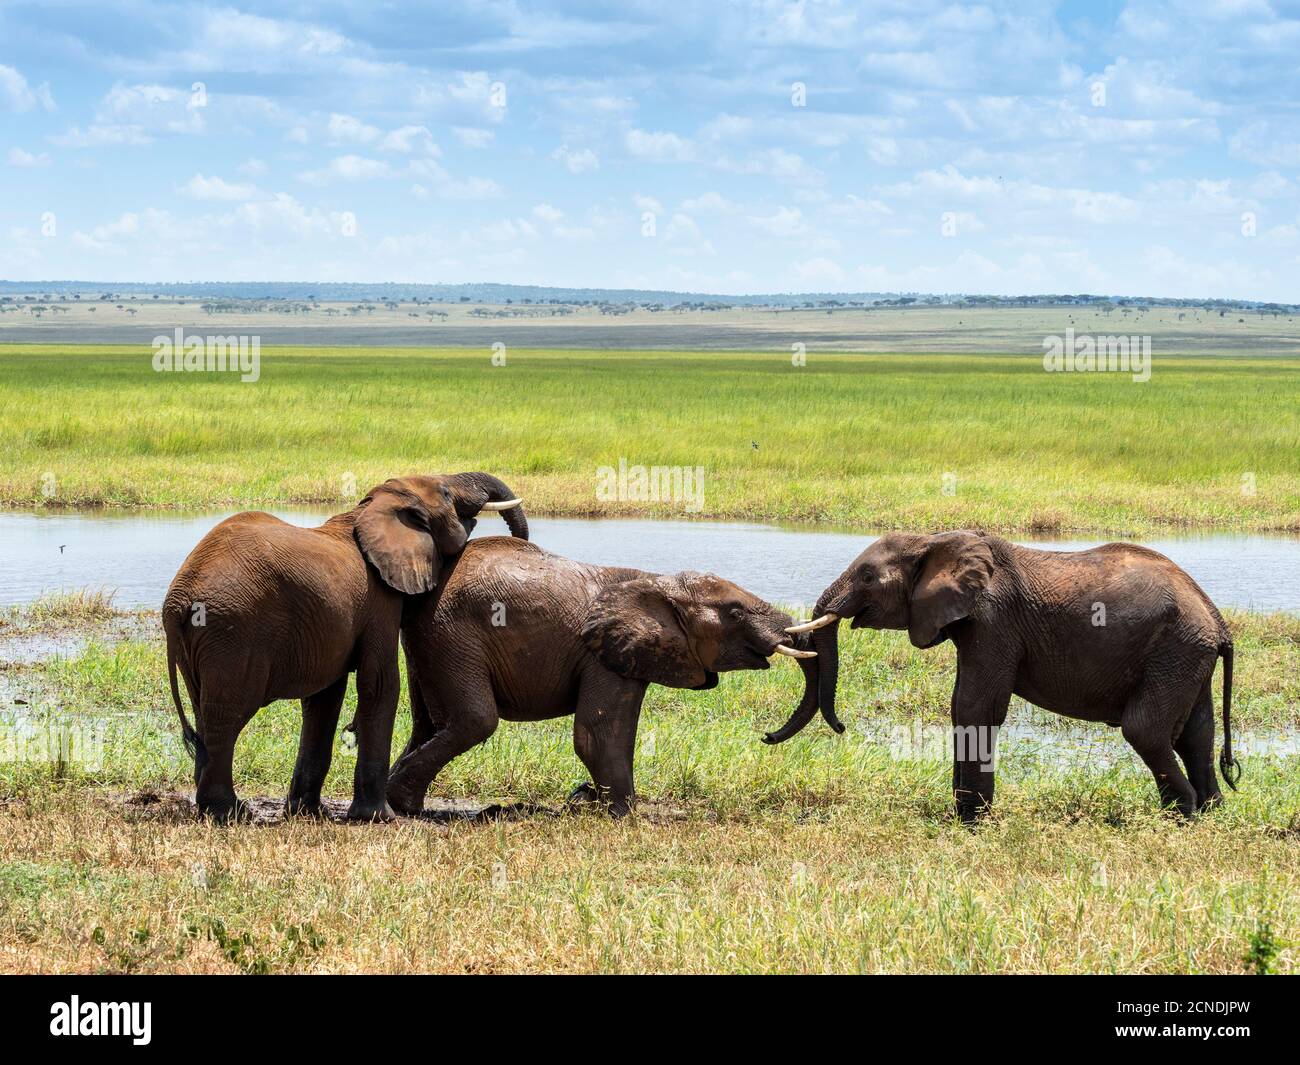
(498, 628)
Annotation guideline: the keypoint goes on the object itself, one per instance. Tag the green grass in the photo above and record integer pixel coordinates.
(70, 607)
(825, 854)
(861, 440)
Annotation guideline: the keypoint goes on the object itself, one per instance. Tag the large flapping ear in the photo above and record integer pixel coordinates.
(636, 629)
(953, 572)
(393, 532)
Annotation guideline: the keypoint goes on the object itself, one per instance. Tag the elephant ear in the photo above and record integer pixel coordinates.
(953, 573)
(392, 529)
(637, 629)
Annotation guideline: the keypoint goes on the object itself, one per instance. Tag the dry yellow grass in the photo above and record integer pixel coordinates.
(855, 889)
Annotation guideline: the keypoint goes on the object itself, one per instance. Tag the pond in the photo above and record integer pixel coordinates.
(138, 552)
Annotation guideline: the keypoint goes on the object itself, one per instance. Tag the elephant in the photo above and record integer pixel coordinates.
(262, 610)
(1117, 634)
(518, 633)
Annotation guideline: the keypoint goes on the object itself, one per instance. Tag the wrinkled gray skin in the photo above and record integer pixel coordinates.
(262, 610)
(1025, 622)
(516, 633)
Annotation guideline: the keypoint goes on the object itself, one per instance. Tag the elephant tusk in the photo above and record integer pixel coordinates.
(813, 626)
(505, 504)
(782, 649)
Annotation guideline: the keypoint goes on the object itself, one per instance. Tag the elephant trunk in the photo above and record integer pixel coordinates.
(473, 490)
(820, 676)
(827, 644)
(807, 705)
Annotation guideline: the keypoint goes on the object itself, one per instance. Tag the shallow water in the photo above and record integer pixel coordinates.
(138, 552)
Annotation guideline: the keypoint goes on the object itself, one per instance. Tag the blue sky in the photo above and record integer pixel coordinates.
(1141, 148)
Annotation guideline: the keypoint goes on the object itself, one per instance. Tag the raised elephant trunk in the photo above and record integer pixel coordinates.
(481, 491)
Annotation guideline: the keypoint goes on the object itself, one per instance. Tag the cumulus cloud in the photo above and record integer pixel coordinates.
(576, 161)
(214, 188)
(26, 160)
(17, 95)
(658, 147)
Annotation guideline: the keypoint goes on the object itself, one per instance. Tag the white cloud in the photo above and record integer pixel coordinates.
(99, 136)
(25, 160)
(709, 203)
(152, 224)
(576, 162)
(783, 222)
(214, 188)
(347, 129)
(346, 168)
(658, 147)
(17, 95)
(409, 139)
(1265, 143)
(473, 136)
(819, 271)
(774, 163)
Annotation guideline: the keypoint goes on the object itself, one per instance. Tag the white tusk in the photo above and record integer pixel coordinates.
(782, 649)
(505, 504)
(813, 626)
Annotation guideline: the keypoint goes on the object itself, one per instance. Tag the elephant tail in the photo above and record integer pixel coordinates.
(1228, 765)
(192, 740)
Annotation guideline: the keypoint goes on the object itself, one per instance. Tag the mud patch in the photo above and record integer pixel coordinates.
(24, 643)
(178, 808)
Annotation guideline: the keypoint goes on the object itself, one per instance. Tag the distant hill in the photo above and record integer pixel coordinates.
(493, 293)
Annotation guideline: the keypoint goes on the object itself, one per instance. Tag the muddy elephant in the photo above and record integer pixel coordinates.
(262, 610)
(1117, 634)
(515, 632)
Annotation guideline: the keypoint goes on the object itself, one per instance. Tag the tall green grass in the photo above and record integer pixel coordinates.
(901, 441)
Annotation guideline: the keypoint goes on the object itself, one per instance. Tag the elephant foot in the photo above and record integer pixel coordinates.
(971, 814)
(404, 796)
(406, 806)
(225, 813)
(587, 793)
(584, 793)
(368, 811)
(303, 806)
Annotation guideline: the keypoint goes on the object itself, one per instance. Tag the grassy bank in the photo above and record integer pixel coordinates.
(827, 853)
(877, 441)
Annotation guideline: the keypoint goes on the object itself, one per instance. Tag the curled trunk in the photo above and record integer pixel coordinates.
(806, 708)
(475, 489)
(820, 675)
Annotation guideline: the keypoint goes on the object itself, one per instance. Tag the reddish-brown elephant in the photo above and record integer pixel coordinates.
(515, 632)
(1116, 634)
(262, 610)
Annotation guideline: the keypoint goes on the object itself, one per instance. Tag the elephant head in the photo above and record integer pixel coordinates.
(919, 583)
(406, 526)
(682, 630)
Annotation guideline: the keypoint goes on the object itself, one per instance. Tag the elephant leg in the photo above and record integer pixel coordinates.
(473, 722)
(604, 736)
(979, 707)
(320, 718)
(1195, 746)
(219, 725)
(1147, 724)
(378, 687)
(423, 726)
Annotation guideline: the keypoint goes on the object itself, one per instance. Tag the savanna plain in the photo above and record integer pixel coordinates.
(829, 853)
